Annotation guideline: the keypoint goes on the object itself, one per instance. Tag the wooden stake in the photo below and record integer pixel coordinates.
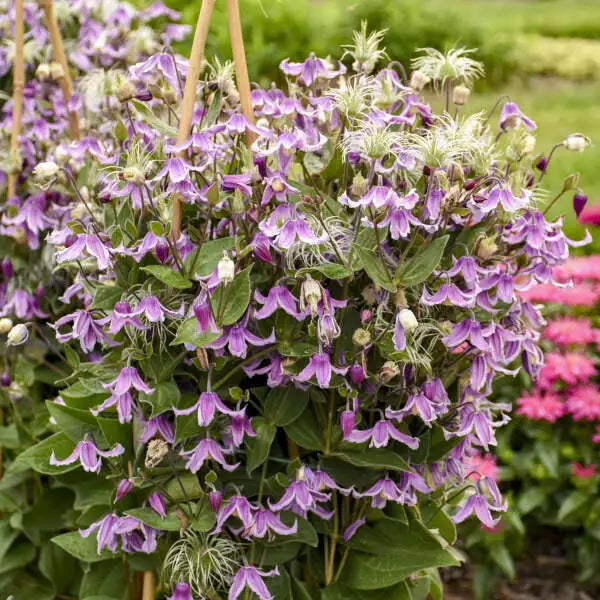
(189, 94)
(239, 61)
(58, 55)
(148, 586)
(18, 85)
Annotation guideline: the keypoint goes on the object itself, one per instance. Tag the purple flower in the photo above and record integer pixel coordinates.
(240, 426)
(157, 502)
(252, 578)
(265, 521)
(128, 378)
(278, 297)
(205, 449)
(301, 498)
(381, 492)
(154, 311)
(181, 592)
(579, 202)
(311, 70)
(237, 506)
(237, 339)
(511, 116)
(204, 317)
(89, 456)
(479, 504)
(107, 532)
(206, 405)
(122, 315)
(159, 424)
(320, 366)
(501, 195)
(86, 329)
(347, 422)
(448, 292)
(285, 225)
(431, 402)
(124, 404)
(89, 243)
(353, 528)
(467, 330)
(124, 487)
(380, 434)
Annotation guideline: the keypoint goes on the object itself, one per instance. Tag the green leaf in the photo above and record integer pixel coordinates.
(38, 457)
(7, 537)
(73, 422)
(373, 458)
(374, 268)
(305, 431)
(188, 334)
(205, 260)
(572, 503)
(330, 270)
(106, 296)
(214, 108)
(186, 488)
(85, 549)
(232, 299)
(400, 591)
(501, 556)
(395, 551)
(435, 518)
(257, 448)
(104, 580)
(145, 114)
(205, 519)
(284, 405)
(150, 517)
(166, 395)
(18, 556)
(168, 276)
(58, 567)
(530, 499)
(422, 264)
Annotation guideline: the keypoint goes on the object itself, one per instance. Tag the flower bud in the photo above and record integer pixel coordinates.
(45, 170)
(78, 211)
(541, 163)
(576, 142)
(126, 91)
(226, 269)
(144, 96)
(17, 335)
(43, 72)
(570, 181)
(486, 247)
(156, 451)
(361, 337)
(370, 295)
(418, 80)
(311, 293)
(347, 422)
(5, 380)
(460, 95)
(162, 252)
(407, 319)
(133, 175)
(7, 268)
(6, 325)
(365, 315)
(56, 71)
(124, 487)
(388, 371)
(528, 144)
(215, 499)
(357, 374)
(579, 202)
(359, 185)
(157, 502)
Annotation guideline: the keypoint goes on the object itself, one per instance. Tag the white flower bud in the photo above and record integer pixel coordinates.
(133, 175)
(388, 371)
(17, 335)
(6, 325)
(528, 144)
(56, 70)
(46, 170)
(418, 80)
(576, 142)
(126, 91)
(43, 72)
(311, 293)
(407, 319)
(486, 247)
(226, 269)
(361, 337)
(79, 211)
(460, 95)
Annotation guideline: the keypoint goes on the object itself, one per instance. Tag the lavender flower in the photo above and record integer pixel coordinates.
(89, 456)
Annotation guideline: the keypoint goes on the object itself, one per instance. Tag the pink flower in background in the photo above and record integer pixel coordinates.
(582, 472)
(581, 294)
(569, 330)
(590, 215)
(482, 465)
(539, 406)
(584, 403)
(571, 367)
(579, 269)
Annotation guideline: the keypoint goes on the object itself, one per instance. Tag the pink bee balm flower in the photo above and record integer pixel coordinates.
(583, 403)
(482, 465)
(571, 367)
(89, 456)
(540, 406)
(581, 472)
(569, 330)
(590, 215)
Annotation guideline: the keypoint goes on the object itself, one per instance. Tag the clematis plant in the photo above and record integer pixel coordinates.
(281, 336)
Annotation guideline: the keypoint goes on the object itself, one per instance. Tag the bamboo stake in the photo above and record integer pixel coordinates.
(58, 55)
(189, 93)
(18, 85)
(239, 61)
(148, 586)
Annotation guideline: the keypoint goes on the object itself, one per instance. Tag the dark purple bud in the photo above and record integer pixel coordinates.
(357, 374)
(144, 96)
(162, 252)
(157, 502)
(427, 171)
(7, 268)
(261, 164)
(70, 240)
(5, 380)
(542, 164)
(530, 181)
(470, 184)
(579, 202)
(215, 499)
(124, 487)
(39, 293)
(105, 197)
(409, 374)
(347, 422)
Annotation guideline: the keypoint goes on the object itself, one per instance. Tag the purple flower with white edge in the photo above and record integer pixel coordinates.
(353, 528)
(285, 225)
(86, 243)
(107, 535)
(204, 450)
(277, 297)
(320, 367)
(128, 378)
(157, 502)
(122, 316)
(240, 427)
(311, 70)
(89, 456)
(236, 506)
(124, 404)
(448, 293)
(480, 505)
(264, 522)
(159, 424)
(86, 329)
(251, 578)
(237, 338)
(181, 591)
(123, 488)
(511, 117)
(205, 407)
(380, 434)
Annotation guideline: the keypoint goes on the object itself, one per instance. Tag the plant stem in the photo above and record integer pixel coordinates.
(148, 586)
(239, 61)
(553, 202)
(18, 85)
(58, 54)
(189, 94)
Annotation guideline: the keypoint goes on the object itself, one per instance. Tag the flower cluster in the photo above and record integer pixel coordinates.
(281, 336)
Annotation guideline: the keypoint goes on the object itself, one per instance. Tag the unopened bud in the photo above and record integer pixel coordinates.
(6, 325)
(162, 252)
(347, 422)
(576, 142)
(460, 95)
(43, 72)
(156, 451)
(5, 380)
(17, 335)
(528, 144)
(311, 294)
(365, 315)
(45, 170)
(56, 71)
(486, 247)
(418, 80)
(388, 371)
(361, 337)
(126, 91)
(370, 295)
(579, 202)
(7, 268)
(359, 185)
(133, 175)
(407, 319)
(226, 269)
(124, 487)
